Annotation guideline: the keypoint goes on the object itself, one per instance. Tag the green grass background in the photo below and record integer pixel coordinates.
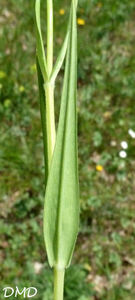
(103, 266)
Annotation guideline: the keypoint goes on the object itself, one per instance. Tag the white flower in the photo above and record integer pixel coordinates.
(124, 144)
(37, 267)
(131, 133)
(122, 154)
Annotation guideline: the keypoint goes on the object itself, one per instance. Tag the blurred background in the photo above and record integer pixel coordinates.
(103, 265)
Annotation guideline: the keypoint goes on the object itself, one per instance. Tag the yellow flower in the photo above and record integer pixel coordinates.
(81, 21)
(21, 88)
(2, 74)
(99, 168)
(61, 11)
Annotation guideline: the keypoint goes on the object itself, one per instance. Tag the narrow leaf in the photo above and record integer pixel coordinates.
(40, 45)
(60, 59)
(43, 116)
(61, 215)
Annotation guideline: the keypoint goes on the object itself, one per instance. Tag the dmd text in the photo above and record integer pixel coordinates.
(25, 292)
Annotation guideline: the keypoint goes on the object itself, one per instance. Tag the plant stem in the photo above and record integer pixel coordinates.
(49, 36)
(58, 283)
(49, 86)
(50, 120)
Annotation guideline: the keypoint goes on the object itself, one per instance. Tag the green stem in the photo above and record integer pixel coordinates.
(50, 120)
(58, 283)
(49, 36)
(49, 87)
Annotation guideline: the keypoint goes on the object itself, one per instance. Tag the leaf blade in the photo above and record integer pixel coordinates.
(61, 215)
(42, 102)
(40, 45)
(60, 59)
